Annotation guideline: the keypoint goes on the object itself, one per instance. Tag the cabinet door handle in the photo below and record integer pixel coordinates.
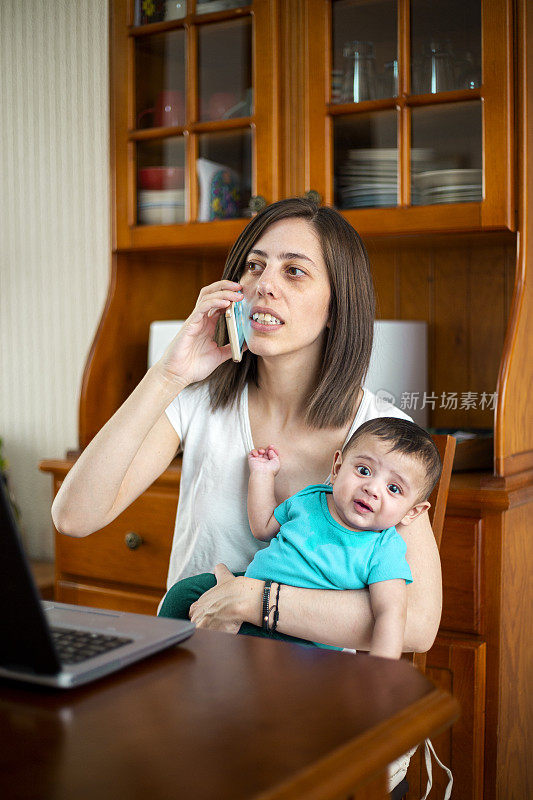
(257, 203)
(314, 196)
(133, 540)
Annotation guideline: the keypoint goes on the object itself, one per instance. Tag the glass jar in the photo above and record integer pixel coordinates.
(359, 82)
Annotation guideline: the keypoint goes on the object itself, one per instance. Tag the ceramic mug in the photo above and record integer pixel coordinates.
(215, 106)
(168, 111)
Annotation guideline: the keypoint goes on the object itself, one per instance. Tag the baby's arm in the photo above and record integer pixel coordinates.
(264, 466)
(389, 606)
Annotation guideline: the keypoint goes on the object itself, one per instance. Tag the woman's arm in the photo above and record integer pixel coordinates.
(389, 607)
(424, 594)
(138, 442)
(338, 618)
(125, 457)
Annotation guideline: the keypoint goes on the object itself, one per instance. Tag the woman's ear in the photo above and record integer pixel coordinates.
(337, 461)
(415, 512)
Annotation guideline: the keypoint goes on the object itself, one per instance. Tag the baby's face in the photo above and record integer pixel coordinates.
(374, 488)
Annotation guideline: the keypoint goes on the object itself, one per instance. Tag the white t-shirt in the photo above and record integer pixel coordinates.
(212, 519)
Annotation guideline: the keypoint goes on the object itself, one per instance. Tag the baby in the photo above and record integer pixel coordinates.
(343, 535)
(338, 536)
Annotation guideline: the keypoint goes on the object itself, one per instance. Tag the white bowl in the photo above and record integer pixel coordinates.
(162, 196)
(161, 206)
(161, 215)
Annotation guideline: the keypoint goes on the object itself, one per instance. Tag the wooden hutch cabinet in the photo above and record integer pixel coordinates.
(414, 118)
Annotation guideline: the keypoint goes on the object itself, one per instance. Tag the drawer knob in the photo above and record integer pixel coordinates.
(133, 540)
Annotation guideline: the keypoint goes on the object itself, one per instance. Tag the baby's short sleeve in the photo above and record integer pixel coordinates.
(282, 511)
(388, 559)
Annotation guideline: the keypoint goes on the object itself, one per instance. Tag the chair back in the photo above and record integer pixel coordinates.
(446, 446)
(439, 496)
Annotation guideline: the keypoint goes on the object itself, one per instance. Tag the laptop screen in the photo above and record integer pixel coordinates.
(25, 641)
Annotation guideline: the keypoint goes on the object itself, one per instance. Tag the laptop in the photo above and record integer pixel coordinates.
(61, 645)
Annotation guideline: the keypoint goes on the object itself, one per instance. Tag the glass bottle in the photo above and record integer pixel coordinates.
(359, 72)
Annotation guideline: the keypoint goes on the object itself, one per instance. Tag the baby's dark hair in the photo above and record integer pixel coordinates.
(408, 438)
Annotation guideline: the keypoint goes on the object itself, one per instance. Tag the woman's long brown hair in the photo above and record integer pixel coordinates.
(351, 314)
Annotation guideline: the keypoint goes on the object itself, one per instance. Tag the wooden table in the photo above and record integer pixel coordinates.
(224, 718)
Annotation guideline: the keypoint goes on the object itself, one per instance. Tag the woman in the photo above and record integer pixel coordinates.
(299, 386)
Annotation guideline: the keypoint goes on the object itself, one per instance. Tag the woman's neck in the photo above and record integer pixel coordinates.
(284, 386)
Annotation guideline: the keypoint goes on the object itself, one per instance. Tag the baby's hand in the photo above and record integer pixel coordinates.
(264, 460)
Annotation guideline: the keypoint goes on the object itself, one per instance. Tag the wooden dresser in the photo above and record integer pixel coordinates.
(463, 267)
(123, 566)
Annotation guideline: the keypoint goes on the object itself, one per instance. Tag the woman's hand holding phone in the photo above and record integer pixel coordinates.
(193, 355)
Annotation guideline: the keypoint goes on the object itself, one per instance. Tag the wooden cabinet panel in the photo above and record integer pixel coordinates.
(461, 574)
(105, 556)
(451, 327)
(464, 343)
(106, 597)
(458, 665)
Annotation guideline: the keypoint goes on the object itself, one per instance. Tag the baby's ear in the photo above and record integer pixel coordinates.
(415, 512)
(337, 461)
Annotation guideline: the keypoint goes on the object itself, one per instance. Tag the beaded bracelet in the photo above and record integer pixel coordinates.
(266, 609)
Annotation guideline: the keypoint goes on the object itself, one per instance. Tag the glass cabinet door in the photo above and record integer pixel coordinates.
(445, 46)
(445, 56)
(446, 154)
(219, 58)
(364, 50)
(365, 70)
(188, 124)
(366, 160)
(160, 73)
(416, 126)
(225, 92)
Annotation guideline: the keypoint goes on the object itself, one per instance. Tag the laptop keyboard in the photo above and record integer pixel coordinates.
(73, 646)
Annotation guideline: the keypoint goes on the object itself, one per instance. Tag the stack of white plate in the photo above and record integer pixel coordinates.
(369, 177)
(209, 6)
(448, 186)
(161, 206)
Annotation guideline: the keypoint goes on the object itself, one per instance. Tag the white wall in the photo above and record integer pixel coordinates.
(54, 232)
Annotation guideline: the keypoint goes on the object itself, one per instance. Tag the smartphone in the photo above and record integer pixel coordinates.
(235, 326)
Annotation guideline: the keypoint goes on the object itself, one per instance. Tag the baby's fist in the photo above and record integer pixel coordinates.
(264, 460)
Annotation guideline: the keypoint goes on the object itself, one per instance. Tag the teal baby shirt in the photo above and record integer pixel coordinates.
(313, 551)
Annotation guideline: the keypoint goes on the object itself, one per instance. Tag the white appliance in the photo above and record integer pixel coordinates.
(161, 334)
(398, 366)
(398, 372)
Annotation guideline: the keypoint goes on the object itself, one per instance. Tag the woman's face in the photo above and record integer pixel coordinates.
(286, 284)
